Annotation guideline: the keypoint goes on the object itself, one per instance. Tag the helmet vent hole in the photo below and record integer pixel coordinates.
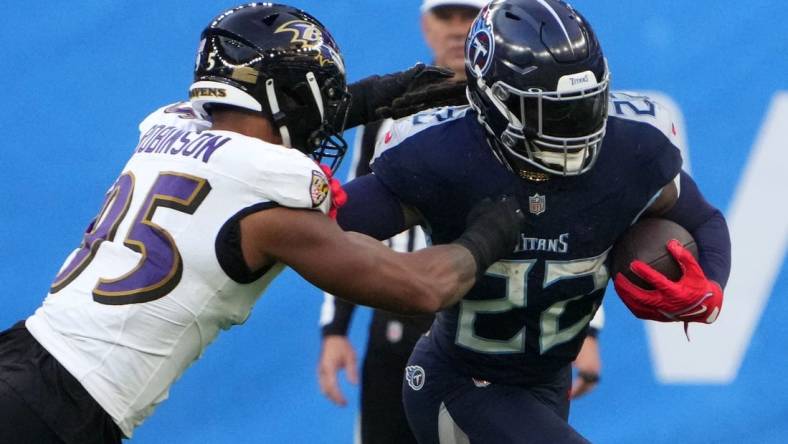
(270, 19)
(512, 16)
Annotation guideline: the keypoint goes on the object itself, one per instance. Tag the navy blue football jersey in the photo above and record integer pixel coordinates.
(528, 316)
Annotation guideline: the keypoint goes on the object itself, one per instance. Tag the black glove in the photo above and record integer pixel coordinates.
(448, 93)
(492, 230)
(375, 92)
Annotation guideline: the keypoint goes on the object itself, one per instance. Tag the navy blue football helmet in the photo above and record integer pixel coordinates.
(539, 82)
(282, 62)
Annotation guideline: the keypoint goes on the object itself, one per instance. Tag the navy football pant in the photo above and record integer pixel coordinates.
(445, 407)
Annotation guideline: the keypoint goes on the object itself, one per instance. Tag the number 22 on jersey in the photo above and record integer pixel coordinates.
(160, 266)
(515, 274)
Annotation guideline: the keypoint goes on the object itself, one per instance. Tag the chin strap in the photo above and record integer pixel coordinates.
(276, 113)
(312, 82)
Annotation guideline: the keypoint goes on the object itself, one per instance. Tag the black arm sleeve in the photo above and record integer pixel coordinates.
(707, 225)
(370, 93)
(374, 92)
(371, 209)
(340, 321)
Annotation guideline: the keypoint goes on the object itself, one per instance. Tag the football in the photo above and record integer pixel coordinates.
(646, 240)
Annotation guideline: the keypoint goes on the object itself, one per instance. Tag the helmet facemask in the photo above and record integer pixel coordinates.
(559, 132)
(311, 118)
(330, 146)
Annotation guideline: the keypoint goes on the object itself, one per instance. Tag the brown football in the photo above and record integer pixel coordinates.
(646, 240)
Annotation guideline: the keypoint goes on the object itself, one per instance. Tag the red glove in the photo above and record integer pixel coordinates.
(338, 195)
(693, 298)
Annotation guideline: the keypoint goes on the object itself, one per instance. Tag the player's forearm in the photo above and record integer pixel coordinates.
(356, 267)
(451, 271)
(492, 230)
(437, 277)
(714, 248)
(707, 226)
(408, 283)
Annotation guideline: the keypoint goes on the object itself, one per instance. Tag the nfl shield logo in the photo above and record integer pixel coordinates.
(537, 204)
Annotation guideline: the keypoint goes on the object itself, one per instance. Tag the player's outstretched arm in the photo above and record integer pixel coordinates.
(402, 93)
(360, 269)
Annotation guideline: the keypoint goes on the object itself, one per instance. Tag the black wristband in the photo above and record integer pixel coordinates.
(340, 320)
(588, 377)
(481, 249)
(333, 330)
(492, 231)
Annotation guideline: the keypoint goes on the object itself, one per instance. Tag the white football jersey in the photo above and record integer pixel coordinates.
(144, 294)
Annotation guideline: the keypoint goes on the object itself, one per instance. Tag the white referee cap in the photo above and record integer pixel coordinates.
(427, 5)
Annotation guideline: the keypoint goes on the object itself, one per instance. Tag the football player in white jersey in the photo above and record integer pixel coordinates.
(220, 194)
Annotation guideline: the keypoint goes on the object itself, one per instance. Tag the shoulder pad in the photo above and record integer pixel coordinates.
(181, 115)
(278, 174)
(402, 129)
(654, 109)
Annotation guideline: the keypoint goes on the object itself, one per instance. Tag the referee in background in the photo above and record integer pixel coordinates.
(445, 25)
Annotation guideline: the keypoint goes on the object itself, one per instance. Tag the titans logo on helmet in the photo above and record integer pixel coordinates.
(481, 44)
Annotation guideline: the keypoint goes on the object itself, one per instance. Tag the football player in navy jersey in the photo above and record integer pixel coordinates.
(543, 126)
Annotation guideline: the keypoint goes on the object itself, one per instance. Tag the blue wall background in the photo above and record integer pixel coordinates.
(81, 75)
